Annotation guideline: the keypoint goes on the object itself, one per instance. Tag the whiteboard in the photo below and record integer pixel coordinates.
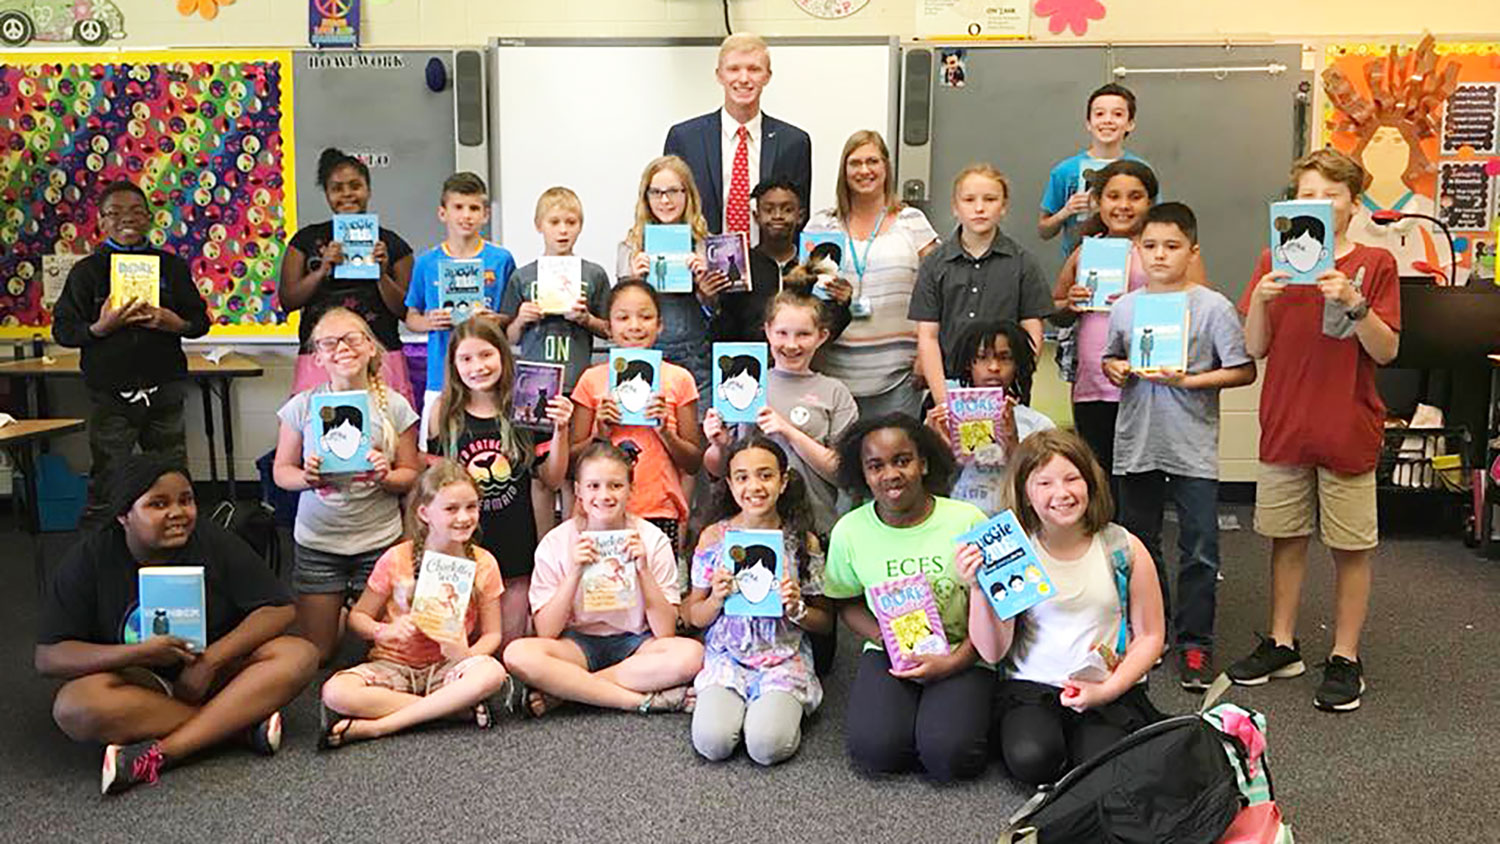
(590, 114)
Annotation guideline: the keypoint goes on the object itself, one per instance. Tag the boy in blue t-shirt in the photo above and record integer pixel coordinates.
(1110, 118)
(464, 208)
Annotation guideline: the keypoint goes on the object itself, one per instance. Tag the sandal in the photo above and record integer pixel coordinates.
(482, 715)
(540, 703)
(332, 737)
(514, 695)
(676, 699)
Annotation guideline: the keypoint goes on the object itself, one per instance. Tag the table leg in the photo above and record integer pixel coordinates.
(31, 519)
(206, 389)
(226, 385)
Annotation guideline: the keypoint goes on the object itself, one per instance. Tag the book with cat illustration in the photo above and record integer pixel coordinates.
(536, 384)
(440, 603)
(729, 253)
(909, 622)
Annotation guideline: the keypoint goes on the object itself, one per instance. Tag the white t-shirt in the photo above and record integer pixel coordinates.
(555, 553)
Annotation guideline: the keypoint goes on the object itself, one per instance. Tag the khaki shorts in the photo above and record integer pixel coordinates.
(1287, 498)
(399, 677)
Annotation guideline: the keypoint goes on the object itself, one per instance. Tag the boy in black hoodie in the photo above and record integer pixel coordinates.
(132, 358)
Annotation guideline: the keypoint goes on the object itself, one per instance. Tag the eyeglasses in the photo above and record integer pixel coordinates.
(865, 163)
(664, 193)
(354, 340)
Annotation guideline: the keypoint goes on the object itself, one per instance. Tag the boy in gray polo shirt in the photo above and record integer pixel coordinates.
(1167, 432)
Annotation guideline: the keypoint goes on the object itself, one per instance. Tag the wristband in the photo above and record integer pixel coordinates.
(798, 612)
(1359, 311)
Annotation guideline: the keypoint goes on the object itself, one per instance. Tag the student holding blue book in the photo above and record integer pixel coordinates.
(464, 209)
(758, 677)
(1109, 117)
(150, 699)
(1167, 435)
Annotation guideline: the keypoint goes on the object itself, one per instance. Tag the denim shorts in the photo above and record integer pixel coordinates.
(321, 573)
(603, 651)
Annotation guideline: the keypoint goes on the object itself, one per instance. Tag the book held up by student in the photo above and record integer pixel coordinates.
(172, 602)
(341, 431)
(1103, 268)
(559, 283)
(536, 385)
(1158, 332)
(755, 558)
(358, 234)
(974, 423)
(134, 277)
(634, 377)
(729, 253)
(460, 286)
(1012, 576)
(739, 380)
(909, 622)
(667, 247)
(1302, 239)
(440, 602)
(609, 583)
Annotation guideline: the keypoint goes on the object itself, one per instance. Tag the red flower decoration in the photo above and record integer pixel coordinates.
(1070, 14)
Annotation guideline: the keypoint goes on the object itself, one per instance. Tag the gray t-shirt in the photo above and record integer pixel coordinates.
(983, 484)
(1171, 429)
(357, 517)
(823, 408)
(555, 338)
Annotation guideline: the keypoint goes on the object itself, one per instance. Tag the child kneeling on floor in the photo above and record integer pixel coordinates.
(604, 606)
(411, 678)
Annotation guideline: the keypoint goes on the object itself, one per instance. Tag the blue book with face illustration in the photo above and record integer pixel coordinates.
(1012, 576)
(739, 387)
(1158, 332)
(460, 286)
(1104, 268)
(358, 233)
(1302, 239)
(172, 603)
(339, 429)
(667, 248)
(634, 377)
(755, 559)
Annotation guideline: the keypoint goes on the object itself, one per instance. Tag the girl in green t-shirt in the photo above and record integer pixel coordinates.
(934, 717)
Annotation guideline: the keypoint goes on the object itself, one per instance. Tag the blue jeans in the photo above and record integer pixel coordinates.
(1142, 497)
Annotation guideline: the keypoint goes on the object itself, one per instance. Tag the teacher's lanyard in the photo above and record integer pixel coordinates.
(860, 264)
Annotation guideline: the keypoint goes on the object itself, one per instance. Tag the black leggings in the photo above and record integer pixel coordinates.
(895, 725)
(1095, 422)
(1040, 739)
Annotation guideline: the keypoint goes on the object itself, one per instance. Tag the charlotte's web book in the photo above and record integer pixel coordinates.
(909, 620)
(559, 283)
(460, 286)
(974, 415)
(1103, 267)
(739, 380)
(608, 583)
(634, 377)
(729, 253)
(172, 604)
(1158, 332)
(1302, 239)
(668, 247)
(536, 384)
(134, 277)
(755, 559)
(341, 426)
(1011, 576)
(358, 233)
(440, 602)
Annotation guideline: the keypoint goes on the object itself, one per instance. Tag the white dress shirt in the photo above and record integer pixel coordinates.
(729, 142)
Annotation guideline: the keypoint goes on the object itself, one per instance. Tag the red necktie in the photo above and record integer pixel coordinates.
(737, 209)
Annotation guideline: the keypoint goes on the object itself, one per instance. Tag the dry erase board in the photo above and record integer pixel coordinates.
(591, 113)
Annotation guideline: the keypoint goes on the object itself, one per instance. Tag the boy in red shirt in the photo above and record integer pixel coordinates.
(1321, 428)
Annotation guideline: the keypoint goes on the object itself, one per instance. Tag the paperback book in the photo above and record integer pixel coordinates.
(729, 253)
(536, 384)
(172, 603)
(357, 233)
(608, 583)
(739, 380)
(460, 286)
(1302, 239)
(909, 620)
(1104, 268)
(134, 277)
(341, 431)
(1158, 332)
(634, 377)
(974, 423)
(668, 248)
(809, 242)
(1012, 576)
(756, 560)
(1088, 169)
(440, 603)
(559, 283)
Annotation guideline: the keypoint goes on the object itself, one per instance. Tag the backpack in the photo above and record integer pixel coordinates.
(254, 522)
(1183, 780)
(1117, 549)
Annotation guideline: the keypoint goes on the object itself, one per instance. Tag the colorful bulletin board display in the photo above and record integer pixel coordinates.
(207, 135)
(1429, 137)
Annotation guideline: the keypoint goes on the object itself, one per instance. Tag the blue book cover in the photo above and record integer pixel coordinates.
(755, 558)
(1158, 332)
(1104, 268)
(1011, 576)
(739, 380)
(460, 286)
(341, 431)
(668, 247)
(1302, 239)
(634, 377)
(358, 233)
(834, 251)
(172, 604)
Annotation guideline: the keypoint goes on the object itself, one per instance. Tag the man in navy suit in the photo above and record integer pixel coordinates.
(728, 163)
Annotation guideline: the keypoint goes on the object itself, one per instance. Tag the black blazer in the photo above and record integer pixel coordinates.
(785, 152)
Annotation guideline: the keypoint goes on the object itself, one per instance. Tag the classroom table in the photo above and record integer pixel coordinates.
(211, 377)
(17, 439)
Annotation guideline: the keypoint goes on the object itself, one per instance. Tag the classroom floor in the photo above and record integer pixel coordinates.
(1410, 766)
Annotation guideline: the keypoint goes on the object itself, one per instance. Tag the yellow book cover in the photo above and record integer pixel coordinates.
(134, 277)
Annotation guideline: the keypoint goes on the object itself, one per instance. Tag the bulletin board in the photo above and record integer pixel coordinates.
(1448, 135)
(206, 134)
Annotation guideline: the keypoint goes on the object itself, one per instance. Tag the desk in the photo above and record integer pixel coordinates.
(17, 440)
(209, 376)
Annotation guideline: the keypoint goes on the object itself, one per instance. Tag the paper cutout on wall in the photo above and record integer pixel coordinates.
(88, 22)
(1069, 14)
(206, 135)
(207, 9)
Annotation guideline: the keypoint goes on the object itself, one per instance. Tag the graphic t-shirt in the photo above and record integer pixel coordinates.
(360, 295)
(555, 338)
(423, 295)
(656, 488)
(1062, 183)
(864, 551)
(507, 526)
(393, 577)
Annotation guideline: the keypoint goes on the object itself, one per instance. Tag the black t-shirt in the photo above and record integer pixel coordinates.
(91, 597)
(359, 295)
(507, 525)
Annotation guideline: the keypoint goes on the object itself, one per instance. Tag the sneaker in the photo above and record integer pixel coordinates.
(1267, 661)
(265, 737)
(1195, 669)
(1343, 683)
(127, 765)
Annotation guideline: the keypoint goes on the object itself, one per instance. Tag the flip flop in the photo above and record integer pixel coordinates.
(330, 736)
(482, 715)
(676, 699)
(514, 695)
